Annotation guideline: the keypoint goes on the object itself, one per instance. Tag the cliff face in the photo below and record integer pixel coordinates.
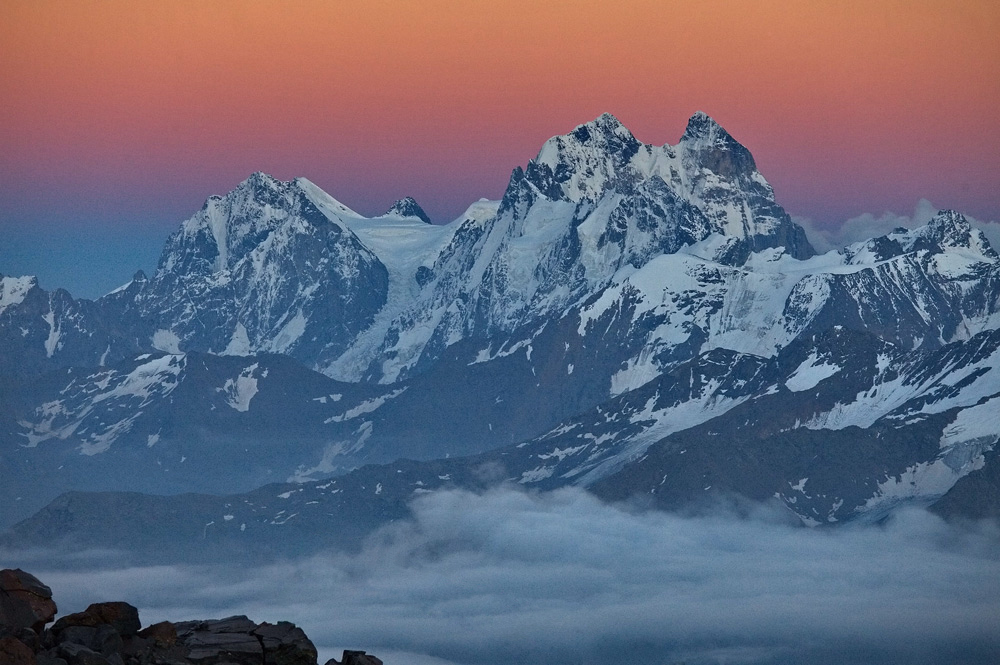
(621, 304)
(111, 634)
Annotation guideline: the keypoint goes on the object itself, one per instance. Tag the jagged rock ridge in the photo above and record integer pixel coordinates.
(618, 295)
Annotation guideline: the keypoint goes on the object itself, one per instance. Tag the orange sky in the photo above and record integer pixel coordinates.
(128, 110)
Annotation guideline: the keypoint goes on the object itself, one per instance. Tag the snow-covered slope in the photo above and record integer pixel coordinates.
(708, 414)
(592, 204)
(41, 330)
(176, 422)
(621, 303)
(282, 267)
(722, 427)
(271, 267)
(596, 219)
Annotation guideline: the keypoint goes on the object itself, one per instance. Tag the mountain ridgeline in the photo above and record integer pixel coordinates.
(644, 321)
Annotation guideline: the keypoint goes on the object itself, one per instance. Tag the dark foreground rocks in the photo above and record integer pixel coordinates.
(24, 601)
(111, 634)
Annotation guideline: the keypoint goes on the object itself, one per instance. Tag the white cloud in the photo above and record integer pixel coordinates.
(510, 577)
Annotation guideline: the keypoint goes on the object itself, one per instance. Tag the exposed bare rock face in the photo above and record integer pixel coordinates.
(24, 601)
(356, 658)
(111, 634)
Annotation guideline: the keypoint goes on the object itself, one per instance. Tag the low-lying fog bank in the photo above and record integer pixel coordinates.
(510, 577)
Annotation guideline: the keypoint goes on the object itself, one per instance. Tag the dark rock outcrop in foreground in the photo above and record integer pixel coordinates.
(111, 634)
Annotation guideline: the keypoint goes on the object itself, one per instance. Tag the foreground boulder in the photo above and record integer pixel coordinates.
(122, 617)
(285, 644)
(356, 658)
(15, 652)
(111, 634)
(228, 640)
(24, 601)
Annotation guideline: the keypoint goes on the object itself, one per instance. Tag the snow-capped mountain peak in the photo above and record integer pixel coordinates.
(407, 207)
(948, 231)
(228, 228)
(14, 289)
(709, 146)
(580, 165)
(949, 228)
(259, 268)
(263, 186)
(620, 295)
(606, 129)
(605, 134)
(701, 127)
(331, 207)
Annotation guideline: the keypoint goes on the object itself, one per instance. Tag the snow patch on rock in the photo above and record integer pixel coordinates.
(808, 374)
(241, 390)
(13, 290)
(239, 343)
(166, 341)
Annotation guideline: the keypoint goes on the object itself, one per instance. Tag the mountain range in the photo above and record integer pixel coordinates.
(643, 321)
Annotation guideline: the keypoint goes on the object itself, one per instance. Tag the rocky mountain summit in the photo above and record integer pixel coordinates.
(283, 267)
(110, 633)
(407, 207)
(643, 321)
